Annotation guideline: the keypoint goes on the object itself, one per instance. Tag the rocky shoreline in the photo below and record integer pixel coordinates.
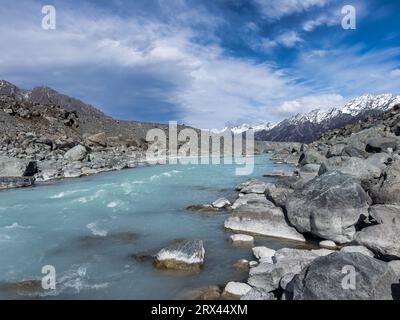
(343, 194)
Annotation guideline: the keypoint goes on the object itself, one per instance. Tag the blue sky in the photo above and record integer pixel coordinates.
(203, 62)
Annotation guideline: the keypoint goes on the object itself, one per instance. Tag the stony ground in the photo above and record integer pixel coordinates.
(344, 194)
(64, 143)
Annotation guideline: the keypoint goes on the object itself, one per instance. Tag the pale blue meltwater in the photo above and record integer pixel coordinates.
(89, 228)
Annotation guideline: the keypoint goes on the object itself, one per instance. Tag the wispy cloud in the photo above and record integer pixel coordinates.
(395, 73)
(322, 20)
(287, 39)
(309, 103)
(276, 9)
(175, 65)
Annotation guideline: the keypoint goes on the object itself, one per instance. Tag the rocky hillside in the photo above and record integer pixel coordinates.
(56, 136)
(48, 96)
(309, 127)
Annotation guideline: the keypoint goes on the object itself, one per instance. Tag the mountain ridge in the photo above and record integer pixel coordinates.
(308, 127)
(46, 95)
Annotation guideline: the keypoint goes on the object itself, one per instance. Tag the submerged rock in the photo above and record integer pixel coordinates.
(23, 287)
(202, 208)
(241, 265)
(324, 279)
(183, 254)
(205, 293)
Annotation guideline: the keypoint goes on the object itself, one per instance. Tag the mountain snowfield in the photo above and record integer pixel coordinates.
(304, 127)
(265, 125)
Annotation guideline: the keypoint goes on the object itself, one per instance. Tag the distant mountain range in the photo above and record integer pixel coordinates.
(45, 95)
(310, 126)
(303, 128)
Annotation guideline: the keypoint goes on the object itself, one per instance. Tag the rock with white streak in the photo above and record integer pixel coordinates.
(221, 203)
(183, 254)
(242, 239)
(235, 290)
(255, 214)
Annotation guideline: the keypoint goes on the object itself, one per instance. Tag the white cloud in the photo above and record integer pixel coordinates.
(351, 71)
(323, 20)
(309, 103)
(207, 87)
(276, 9)
(288, 39)
(395, 73)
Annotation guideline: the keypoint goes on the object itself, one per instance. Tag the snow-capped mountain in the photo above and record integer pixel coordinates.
(309, 126)
(245, 127)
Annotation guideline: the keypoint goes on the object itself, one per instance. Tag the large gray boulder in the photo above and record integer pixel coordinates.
(380, 160)
(183, 254)
(384, 213)
(277, 194)
(255, 214)
(77, 153)
(311, 156)
(267, 276)
(324, 279)
(361, 169)
(358, 249)
(360, 139)
(336, 150)
(328, 207)
(383, 238)
(381, 144)
(251, 186)
(13, 167)
(353, 152)
(98, 139)
(387, 190)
